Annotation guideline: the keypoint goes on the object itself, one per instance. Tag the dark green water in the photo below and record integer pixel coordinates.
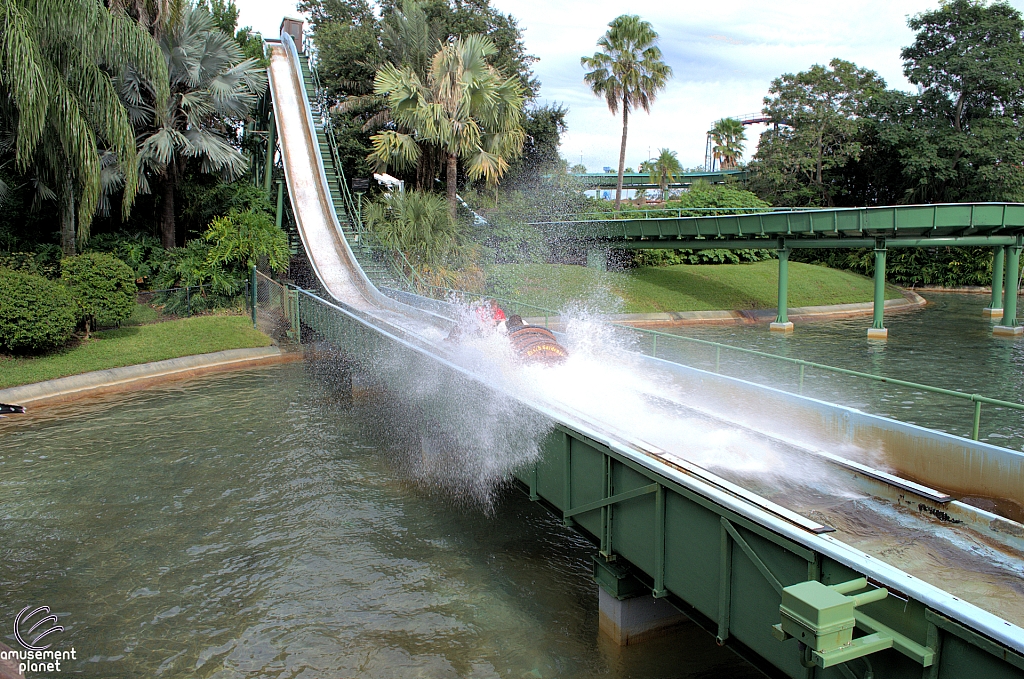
(244, 526)
(946, 344)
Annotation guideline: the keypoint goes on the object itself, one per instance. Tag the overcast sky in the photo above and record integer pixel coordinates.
(724, 57)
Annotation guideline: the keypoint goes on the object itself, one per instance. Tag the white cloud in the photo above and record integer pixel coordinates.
(724, 56)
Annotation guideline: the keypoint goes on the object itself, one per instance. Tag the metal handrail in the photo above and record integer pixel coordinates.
(367, 237)
(977, 399)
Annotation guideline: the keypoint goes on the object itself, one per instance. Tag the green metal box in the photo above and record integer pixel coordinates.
(817, 615)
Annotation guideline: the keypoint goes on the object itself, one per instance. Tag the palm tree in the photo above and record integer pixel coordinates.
(56, 58)
(628, 72)
(664, 169)
(728, 136)
(464, 106)
(212, 89)
(410, 39)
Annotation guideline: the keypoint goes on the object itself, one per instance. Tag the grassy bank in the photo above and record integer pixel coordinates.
(133, 345)
(679, 288)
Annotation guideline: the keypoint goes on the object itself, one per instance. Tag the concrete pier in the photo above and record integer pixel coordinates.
(636, 619)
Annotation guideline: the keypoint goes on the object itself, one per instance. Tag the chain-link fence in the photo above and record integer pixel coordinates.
(183, 301)
(276, 308)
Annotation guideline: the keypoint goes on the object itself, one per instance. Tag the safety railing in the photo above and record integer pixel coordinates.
(669, 212)
(549, 315)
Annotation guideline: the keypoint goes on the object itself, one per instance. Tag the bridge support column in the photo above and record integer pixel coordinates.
(782, 323)
(637, 619)
(995, 309)
(1009, 326)
(629, 614)
(878, 329)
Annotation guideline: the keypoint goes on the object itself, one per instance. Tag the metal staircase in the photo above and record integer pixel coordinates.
(376, 262)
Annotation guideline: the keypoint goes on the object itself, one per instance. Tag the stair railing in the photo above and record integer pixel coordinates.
(404, 270)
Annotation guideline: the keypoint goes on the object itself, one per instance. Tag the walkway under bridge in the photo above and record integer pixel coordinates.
(816, 540)
(996, 225)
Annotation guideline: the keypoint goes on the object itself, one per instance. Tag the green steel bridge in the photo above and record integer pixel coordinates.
(996, 225)
(642, 180)
(792, 590)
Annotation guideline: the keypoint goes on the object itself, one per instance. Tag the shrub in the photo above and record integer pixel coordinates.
(142, 252)
(36, 313)
(102, 286)
(242, 238)
(714, 256)
(192, 266)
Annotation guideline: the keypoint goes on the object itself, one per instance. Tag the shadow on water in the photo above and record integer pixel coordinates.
(252, 524)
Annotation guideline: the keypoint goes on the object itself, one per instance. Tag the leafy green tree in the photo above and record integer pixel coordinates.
(354, 38)
(225, 16)
(243, 238)
(60, 103)
(820, 114)
(627, 72)
(664, 170)
(578, 169)
(459, 18)
(212, 88)
(465, 107)
(543, 127)
(728, 136)
(960, 138)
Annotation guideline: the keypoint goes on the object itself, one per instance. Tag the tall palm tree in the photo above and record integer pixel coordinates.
(464, 106)
(56, 58)
(627, 72)
(212, 89)
(728, 135)
(409, 38)
(665, 169)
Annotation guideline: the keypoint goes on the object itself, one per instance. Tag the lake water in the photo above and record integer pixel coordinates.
(246, 525)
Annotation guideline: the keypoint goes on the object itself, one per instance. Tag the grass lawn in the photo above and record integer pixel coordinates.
(679, 288)
(133, 345)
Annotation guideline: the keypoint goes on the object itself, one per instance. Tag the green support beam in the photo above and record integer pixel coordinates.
(703, 243)
(1009, 326)
(268, 172)
(975, 224)
(877, 329)
(995, 310)
(279, 215)
(782, 323)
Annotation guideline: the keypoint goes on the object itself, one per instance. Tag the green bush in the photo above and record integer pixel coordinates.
(949, 267)
(140, 251)
(213, 284)
(243, 238)
(35, 313)
(715, 256)
(102, 286)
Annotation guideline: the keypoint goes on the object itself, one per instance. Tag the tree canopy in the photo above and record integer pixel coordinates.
(464, 107)
(842, 138)
(819, 115)
(62, 107)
